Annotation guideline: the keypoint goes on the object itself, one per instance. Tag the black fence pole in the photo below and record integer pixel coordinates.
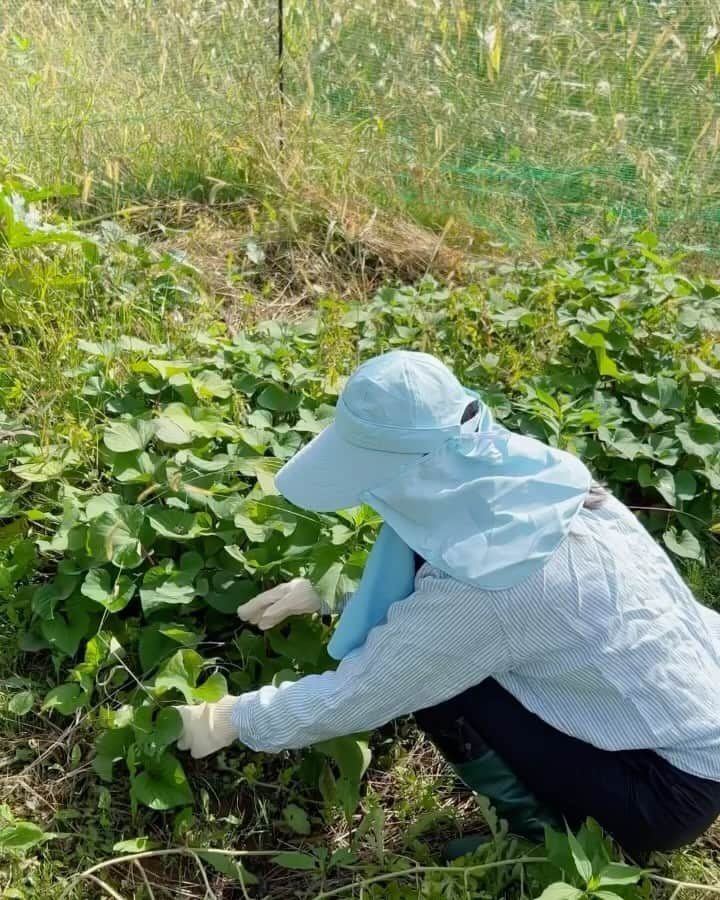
(281, 69)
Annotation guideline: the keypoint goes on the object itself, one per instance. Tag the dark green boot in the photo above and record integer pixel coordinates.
(463, 846)
(491, 777)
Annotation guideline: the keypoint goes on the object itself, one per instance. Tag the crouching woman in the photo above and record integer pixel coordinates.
(541, 637)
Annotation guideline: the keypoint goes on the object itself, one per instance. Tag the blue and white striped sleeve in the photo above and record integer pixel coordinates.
(436, 643)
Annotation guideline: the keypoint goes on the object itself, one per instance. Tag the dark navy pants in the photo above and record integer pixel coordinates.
(639, 798)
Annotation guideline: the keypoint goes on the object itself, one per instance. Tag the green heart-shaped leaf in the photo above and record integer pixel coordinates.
(163, 786)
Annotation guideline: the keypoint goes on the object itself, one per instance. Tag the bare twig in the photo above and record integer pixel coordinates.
(103, 885)
(209, 892)
(685, 885)
(31, 790)
(246, 895)
(58, 742)
(143, 875)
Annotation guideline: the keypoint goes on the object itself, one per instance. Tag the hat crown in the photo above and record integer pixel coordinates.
(405, 389)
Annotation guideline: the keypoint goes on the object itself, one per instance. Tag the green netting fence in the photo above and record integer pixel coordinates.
(531, 119)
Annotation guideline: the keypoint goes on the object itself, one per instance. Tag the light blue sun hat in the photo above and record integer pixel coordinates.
(480, 503)
(394, 409)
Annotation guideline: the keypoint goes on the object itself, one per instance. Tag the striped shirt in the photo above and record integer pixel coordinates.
(605, 643)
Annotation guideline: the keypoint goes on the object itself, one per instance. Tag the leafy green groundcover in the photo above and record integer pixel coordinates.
(125, 549)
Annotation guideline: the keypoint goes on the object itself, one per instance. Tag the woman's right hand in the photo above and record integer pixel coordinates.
(274, 606)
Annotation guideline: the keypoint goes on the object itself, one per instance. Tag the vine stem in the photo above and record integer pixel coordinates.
(148, 854)
(467, 870)
(337, 892)
(423, 870)
(685, 885)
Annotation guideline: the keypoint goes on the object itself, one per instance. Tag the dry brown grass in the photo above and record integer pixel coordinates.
(341, 251)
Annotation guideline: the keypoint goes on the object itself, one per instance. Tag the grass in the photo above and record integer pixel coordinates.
(518, 121)
(411, 140)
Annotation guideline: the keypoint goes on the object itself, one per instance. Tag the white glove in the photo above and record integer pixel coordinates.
(274, 606)
(207, 727)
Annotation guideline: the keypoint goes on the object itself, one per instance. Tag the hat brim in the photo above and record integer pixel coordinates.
(330, 474)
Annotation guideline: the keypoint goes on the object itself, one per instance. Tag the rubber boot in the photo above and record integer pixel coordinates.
(490, 776)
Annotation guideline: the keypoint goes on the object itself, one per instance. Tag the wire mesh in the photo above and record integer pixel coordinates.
(530, 115)
(529, 118)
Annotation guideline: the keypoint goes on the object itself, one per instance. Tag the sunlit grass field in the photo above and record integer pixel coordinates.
(524, 121)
